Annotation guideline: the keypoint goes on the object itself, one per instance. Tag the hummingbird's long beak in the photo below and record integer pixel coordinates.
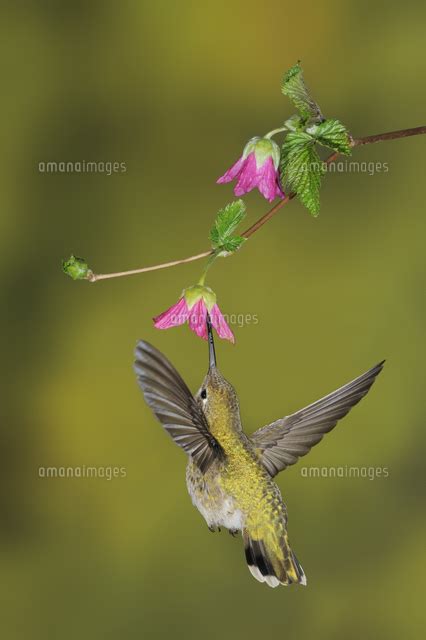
(212, 354)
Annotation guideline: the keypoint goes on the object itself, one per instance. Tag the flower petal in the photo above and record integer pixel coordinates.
(220, 324)
(248, 178)
(197, 319)
(232, 172)
(172, 317)
(268, 181)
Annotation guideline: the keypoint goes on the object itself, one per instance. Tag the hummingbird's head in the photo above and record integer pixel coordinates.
(216, 395)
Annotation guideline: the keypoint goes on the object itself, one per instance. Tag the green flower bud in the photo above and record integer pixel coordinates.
(76, 268)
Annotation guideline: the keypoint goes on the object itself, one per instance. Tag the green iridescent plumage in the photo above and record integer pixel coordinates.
(229, 474)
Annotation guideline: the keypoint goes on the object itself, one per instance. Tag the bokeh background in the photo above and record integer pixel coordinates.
(174, 90)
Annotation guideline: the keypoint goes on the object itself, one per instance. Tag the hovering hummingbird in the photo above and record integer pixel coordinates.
(230, 475)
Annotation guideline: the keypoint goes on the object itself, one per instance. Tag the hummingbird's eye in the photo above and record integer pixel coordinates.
(203, 394)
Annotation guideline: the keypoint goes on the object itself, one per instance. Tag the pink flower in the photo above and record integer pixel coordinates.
(257, 167)
(192, 308)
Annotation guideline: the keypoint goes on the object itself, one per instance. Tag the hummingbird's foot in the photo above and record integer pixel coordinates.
(234, 532)
(213, 529)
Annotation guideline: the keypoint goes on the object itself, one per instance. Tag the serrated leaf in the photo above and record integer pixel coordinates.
(294, 87)
(227, 220)
(214, 237)
(233, 244)
(294, 123)
(301, 169)
(333, 134)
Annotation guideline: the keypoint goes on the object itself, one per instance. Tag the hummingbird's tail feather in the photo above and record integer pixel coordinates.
(271, 560)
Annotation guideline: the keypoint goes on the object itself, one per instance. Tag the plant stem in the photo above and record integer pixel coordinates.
(210, 261)
(94, 277)
(392, 135)
(356, 142)
(274, 131)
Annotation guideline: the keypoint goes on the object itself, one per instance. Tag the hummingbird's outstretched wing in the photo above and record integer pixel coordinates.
(174, 406)
(281, 443)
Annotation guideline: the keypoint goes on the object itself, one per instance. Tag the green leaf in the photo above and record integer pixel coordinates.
(227, 220)
(294, 123)
(76, 268)
(294, 87)
(301, 169)
(332, 134)
(233, 244)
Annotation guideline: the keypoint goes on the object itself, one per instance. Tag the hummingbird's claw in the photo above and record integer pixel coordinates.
(213, 529)
(234, 532)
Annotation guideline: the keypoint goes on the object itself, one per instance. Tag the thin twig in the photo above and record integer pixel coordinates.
(391, 135)
(93, 277)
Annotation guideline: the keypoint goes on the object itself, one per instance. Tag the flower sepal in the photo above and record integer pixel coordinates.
(197, 292)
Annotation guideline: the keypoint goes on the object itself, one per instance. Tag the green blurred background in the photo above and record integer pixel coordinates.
(174, 90)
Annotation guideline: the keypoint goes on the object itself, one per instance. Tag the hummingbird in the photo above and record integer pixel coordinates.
(230, 475)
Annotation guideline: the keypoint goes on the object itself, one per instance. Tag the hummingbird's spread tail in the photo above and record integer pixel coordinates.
(272, 561)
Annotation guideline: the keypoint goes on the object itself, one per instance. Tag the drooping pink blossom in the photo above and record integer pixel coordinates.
(257, 167)
(192, 308)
